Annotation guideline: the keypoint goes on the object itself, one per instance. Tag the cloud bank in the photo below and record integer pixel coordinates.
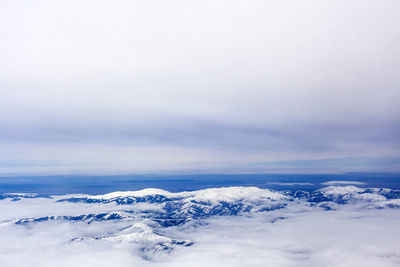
(93, 86)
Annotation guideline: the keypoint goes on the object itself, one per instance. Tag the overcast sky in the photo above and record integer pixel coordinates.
(230, 86)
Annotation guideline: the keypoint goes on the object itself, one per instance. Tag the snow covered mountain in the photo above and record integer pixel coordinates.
(152, 222)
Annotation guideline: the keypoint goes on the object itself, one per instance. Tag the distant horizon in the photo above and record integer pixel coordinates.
(194, 173)
(102, 184)
(320, 166)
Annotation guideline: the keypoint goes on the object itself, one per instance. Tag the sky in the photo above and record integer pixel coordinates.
(100, 87)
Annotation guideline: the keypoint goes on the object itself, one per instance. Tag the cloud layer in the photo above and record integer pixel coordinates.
(93, 86)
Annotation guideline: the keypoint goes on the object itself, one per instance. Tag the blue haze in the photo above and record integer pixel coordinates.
(72, 184)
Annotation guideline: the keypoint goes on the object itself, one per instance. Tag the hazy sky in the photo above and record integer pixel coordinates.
(237, 86)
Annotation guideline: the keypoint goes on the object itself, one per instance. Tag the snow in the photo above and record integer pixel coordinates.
(139, 193)
(343, 183)
(226, 194)
(340, 190)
